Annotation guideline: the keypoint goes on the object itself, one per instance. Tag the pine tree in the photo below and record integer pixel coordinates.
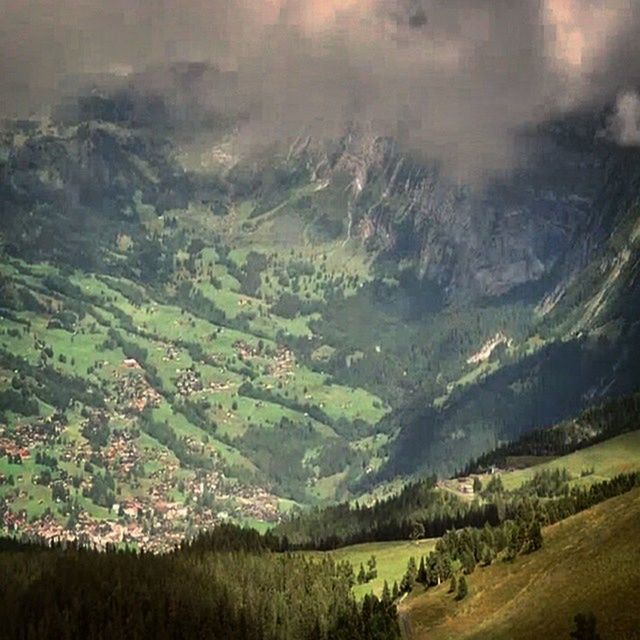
(412, 570)
(468, 562)
(487, 556)
(453, 585)
(386, 594)
(585, 627)
(422, 572)
(463, 589)
(417, 531)
(372, 572)
(535, 537)
(410, 576)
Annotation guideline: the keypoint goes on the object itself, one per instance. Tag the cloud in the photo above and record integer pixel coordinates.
(457, 79)
(623, 126)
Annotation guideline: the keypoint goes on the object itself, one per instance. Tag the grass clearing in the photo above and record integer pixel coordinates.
(608, 459)
(391, 560)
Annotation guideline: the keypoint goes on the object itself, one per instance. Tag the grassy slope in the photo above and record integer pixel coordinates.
(618, 455)
(589, 562)
(607, 459)
(233, 414)
(391, 560)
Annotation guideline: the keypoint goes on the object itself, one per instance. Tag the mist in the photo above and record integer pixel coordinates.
(456, 80)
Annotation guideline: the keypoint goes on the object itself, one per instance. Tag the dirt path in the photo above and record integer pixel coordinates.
(404, 622)
(405, 626)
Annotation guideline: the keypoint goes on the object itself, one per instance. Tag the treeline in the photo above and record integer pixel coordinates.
(51, 386)
(593, 425)
(164, 434)
(578, 499)
(420, 510)
(278, 452)
(229, 587)
(21, 402)
(230, 537)
(342, 426)
(541, 389)
(458, 552)
(237, 583)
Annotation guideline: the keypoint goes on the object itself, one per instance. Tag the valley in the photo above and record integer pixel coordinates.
(218, 350)
(182, 368)
(182, 418)
(579, 470)
(319, 320)
(510, 573)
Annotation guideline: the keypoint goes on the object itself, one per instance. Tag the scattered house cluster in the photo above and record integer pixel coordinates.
(283, 362)
(258, 503)
(171, 353)
(121, 453)
(465, 485)
(25, 437)
(9, 448)
(220, 386)
(155, 519)
(76, 452)
(154, 509)
(188, 381)
(166, 506)
(134, 392)
(245, 351)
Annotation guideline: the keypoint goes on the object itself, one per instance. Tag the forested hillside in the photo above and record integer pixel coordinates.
(235, 588)
(598, 445)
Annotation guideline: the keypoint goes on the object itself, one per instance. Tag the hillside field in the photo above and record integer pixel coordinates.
(604, 460)
(103, 373)
(589, 563)
(598, 462)
(607, 459)
(391, 560)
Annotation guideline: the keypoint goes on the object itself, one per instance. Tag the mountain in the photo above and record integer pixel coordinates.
(542, 222)
(319, 319)
(516, 302)
(191, 334)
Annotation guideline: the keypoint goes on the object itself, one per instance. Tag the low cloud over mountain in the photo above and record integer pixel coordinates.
(456, 80)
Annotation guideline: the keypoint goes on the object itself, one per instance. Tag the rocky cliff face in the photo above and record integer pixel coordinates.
(541, 223)
(514, 230)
